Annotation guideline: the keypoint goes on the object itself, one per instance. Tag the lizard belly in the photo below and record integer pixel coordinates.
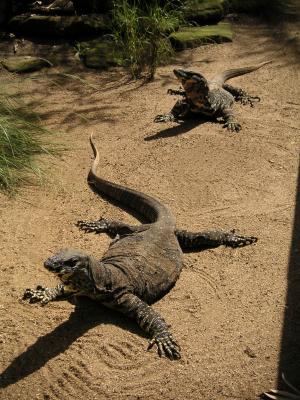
(200, 104)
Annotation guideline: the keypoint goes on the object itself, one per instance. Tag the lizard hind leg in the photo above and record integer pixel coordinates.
(241, 96)
(244, 98)
(205, 239)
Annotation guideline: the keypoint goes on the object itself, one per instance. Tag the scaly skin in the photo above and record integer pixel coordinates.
(212, 98)
(187, 240)
(141, 265)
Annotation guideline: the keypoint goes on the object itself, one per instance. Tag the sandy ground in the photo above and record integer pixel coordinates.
(228, 307)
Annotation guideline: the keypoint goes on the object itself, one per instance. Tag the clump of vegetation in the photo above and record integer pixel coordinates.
(20, 142)
(140, 29)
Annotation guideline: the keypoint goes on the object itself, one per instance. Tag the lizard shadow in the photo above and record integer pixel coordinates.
(183, 127)
(86, 315)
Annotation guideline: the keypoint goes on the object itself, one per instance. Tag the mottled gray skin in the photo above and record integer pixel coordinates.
(213, 98)
(141, 265)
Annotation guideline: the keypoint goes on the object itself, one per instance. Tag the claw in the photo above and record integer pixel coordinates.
(160, 118)
(173, 92)
(246, 99)
(160, 349)
(165, 345)
(92, 226)
(232, 126)
(244, 241)
(164, 118)
(233, 240)
(36, 295)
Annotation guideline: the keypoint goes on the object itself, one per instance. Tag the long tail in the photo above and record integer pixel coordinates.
(231, 73)
(144, 205)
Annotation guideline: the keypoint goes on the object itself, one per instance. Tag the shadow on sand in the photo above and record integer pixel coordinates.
(183, 127)
(289, 363)
(86, 315)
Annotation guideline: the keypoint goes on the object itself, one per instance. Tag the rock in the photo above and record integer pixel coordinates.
(57, 7)
(25, 63)
(100, 53)
(190, 37)
(204, 11)
(60, 26)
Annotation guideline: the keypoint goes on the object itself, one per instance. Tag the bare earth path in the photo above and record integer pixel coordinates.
(228, 307)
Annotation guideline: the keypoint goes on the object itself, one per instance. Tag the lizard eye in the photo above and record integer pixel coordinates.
(72, 262)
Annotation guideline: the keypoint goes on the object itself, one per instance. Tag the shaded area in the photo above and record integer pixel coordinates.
(290, 345)
(183, 127)
(86, 315)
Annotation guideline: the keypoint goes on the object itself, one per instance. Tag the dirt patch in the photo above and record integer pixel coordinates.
(228, 306)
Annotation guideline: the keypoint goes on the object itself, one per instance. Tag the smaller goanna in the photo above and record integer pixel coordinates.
(213, 98)
(141, 265)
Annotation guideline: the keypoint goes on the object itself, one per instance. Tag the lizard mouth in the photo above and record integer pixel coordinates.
(64, 275)
(56, 267)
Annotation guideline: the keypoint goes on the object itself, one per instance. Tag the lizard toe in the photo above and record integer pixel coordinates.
(166, 345)
(234, 240)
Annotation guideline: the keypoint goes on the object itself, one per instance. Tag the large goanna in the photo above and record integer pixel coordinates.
(212, 98)
(141, 265)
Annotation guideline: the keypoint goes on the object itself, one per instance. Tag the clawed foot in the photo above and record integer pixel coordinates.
(164, 118)
(93, 226)
(232, 126)
(166, 345)
(234, 240)
(246, 99)
(173, 92)
(39, 295)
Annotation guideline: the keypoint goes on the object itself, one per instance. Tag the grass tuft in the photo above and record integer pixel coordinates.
(21, 141)
(141, 29)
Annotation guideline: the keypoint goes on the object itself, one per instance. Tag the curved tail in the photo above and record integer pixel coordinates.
(231, 73)
(145, 205)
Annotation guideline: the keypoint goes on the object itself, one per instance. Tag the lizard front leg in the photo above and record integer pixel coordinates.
(44, 295)
(241, 95)
(111, 227)
(150, 321)
(115, 229)
(179, 92)
(230, 122)
(198, 240)
(180, 110)
(187, 240)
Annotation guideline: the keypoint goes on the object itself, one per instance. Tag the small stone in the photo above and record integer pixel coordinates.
(250, 353)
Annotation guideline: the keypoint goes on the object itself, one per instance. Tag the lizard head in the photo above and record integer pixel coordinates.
(191, 81)
(67, 263)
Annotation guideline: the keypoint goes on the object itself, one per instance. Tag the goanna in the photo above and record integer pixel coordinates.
(213, 98)
(141, 265)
